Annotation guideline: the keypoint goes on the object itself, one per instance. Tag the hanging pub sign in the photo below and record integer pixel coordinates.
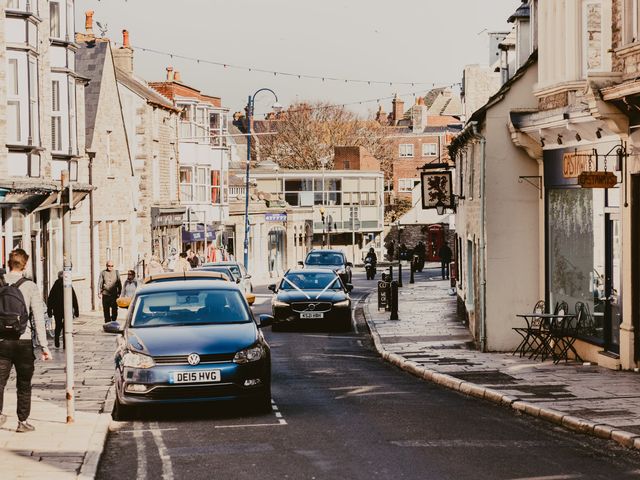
(436, 189)
(597, 180)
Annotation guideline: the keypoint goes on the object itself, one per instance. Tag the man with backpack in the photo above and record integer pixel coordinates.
(22, 334)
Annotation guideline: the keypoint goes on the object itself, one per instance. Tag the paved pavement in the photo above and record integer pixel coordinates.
(431, 342)
(57, 450)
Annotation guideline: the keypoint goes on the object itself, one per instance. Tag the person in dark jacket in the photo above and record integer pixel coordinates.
(55, 308)
(445, 255)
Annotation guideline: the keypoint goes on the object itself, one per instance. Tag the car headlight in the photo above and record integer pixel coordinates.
(343, 303)
(279, 304)
(251, 354)
(137, 360)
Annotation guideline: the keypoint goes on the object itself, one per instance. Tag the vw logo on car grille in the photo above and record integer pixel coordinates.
(311, 306)
(193, 359)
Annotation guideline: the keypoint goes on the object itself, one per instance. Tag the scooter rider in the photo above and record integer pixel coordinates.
(371, 259)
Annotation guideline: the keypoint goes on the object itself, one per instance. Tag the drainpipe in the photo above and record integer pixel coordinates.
(482, 259)
(92, 246)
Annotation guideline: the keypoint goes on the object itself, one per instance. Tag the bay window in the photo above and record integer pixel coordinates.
(22, 99)
(61, 23)
(195, 184)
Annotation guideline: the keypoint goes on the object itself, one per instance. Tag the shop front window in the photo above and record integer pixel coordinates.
(577, 253)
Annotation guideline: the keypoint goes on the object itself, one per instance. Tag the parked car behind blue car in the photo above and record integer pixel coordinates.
(190, 340)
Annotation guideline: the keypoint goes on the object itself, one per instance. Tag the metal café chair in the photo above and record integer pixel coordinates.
(530, 332)
(549, 332)
(568, 333)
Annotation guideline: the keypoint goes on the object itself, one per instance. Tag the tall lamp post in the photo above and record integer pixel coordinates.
(277, 107)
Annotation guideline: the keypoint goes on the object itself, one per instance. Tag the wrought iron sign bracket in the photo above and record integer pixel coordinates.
(535, 180)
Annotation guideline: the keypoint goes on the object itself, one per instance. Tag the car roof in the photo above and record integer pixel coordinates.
(325, 250)
(192, 284)
(311, 270)
(189, 275)
(220, 264)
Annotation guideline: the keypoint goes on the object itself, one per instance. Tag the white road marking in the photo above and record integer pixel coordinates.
(141, 470)
(280, 423)
(550, 477)
(144, 430)
(167, 469)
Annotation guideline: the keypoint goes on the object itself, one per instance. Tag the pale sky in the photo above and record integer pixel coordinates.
(420, 41)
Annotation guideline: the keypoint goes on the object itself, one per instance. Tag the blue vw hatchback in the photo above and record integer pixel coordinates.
(190, 341)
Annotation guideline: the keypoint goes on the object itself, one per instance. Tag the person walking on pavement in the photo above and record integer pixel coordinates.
(130, 285)
(55, 308)
(420, 251)
(193, 259)
(182, 264)
(109, 288)
(445, 254)
(20, 348)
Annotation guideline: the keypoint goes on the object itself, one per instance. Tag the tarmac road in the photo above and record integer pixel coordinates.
(340, 412)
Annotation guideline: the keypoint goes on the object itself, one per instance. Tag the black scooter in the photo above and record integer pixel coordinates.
(369, 268)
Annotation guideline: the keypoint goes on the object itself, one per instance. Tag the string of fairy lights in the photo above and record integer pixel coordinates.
(302, 76)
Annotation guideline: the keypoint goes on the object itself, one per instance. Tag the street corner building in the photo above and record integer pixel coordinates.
(548, 180)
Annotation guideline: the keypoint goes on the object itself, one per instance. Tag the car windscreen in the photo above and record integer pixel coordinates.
(311, 281)
(235, 269)
(189, 307)
(224, 270)
(324, 258)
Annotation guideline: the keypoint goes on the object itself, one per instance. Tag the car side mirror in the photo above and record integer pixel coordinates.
(272, 287)
(301, 263)
(247, 276)
(113, 327)
(238, 280)
(265, 320)
(348, 287)
(349, 264)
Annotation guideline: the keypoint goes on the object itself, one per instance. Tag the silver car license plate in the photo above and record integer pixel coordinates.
(196, 376)
(311, 315)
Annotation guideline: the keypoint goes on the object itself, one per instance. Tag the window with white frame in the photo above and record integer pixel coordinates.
(406, 184)
(22, 98)
(55, 19)
(429, 149)
(406, 150)
(203, 185)
(73, 132)
(631, 21)
(23, 5)
(56, 116)
(186, 184)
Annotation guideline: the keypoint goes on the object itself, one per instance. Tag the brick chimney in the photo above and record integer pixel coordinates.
(88, 35)
(176, 76)
(169, 74)
(123, 56)
(397, 111)
(381, 116)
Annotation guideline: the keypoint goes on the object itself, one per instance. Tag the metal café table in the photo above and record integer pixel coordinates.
(543, 334)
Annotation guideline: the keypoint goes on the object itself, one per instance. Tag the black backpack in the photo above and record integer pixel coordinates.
(14, 314)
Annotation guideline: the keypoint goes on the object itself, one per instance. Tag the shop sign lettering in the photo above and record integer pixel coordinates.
(597, 180)
(574, 163)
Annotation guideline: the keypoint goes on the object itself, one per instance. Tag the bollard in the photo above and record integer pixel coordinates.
(399, 274)
(394, 301)
(411, 276)
(390, 273)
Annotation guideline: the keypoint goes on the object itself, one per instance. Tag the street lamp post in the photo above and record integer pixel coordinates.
(250, 104)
